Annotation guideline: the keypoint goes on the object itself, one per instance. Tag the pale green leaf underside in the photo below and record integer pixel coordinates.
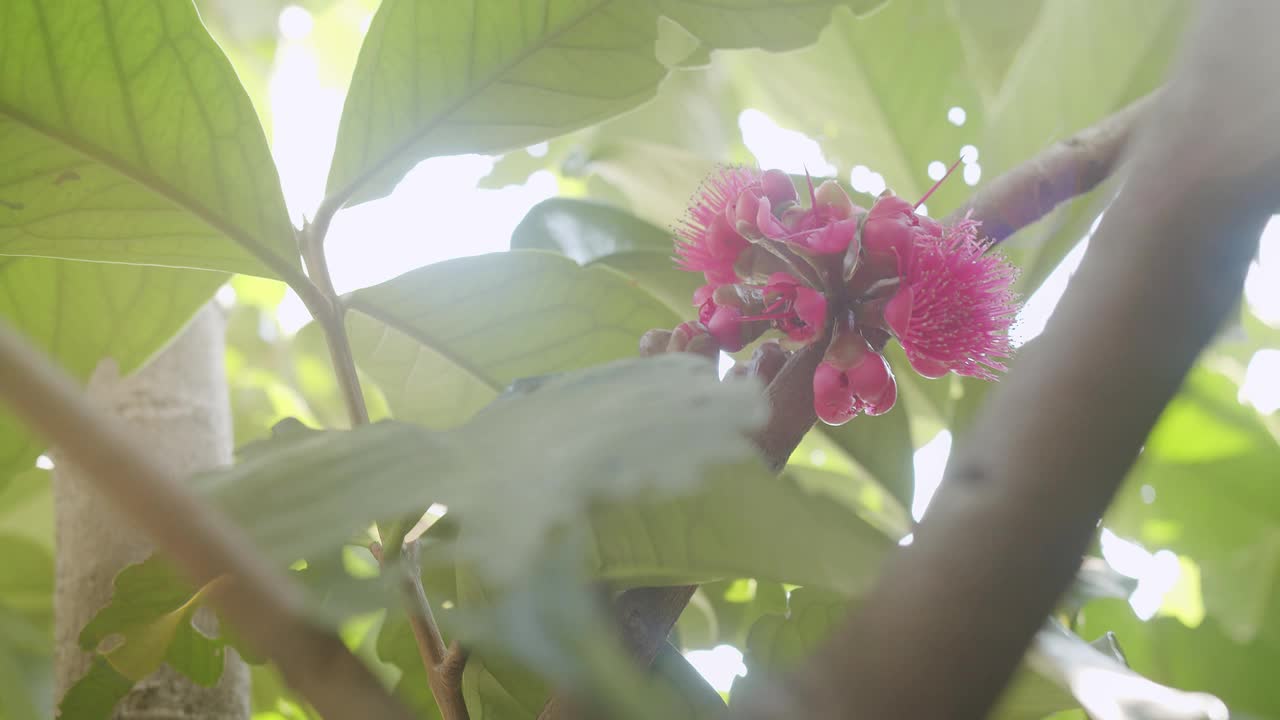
(81, 312)
(488, 75)
(125, 136)
(442, 341)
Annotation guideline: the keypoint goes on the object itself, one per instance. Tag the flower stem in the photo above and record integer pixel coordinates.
(444, 668)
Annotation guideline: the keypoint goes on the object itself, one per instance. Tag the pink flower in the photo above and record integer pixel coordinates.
(826, 227)
(852, 378)
(707, 242)
(954, 306)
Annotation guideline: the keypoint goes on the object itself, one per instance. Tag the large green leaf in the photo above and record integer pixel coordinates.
(125, 136)
(483, 76)
(592, 232)
(636, 427)
(80, 313)
(443, 340)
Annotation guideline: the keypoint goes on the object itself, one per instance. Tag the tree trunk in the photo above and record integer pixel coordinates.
(178, 405)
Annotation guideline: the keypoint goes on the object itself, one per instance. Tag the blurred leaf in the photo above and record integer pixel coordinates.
(730, 608)
(1204, 487)
(548, 67)
(857, 492)
(80, 313)
(591, 232)
(883, 447)
(1203, 658)
(443, 340)
(525, 466)
(26, 508)
(128, 138)
(26, 577)
(744, 523)
(18, 695)
(94, 696)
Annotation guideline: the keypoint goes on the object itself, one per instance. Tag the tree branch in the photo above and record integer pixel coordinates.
(262, 604)
(1064, 170)
(955, 611)
(444, 669)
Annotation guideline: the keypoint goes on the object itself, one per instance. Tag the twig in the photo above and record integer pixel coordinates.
(1066, 169)
(444, 665)
(444, 668)
(264, 605)
(954, 612)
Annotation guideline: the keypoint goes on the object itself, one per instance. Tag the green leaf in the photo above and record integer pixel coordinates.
(443, 340)
(462, 77)
(768, 24)
(94, 696)
(883, 447)
(728, 609)
(125, 136)
(641, 426)
(80, 313)
(591, 232)
(742, 523)
(991, 34)
(151, 613)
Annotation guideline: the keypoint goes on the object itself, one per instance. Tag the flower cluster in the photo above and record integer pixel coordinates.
(830, 271)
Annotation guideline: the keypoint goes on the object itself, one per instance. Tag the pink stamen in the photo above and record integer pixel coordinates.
(938, 184)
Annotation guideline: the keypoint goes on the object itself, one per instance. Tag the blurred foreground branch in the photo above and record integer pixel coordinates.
(263, 605)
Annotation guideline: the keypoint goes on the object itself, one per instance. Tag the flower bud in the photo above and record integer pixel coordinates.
(778, 187)
(833, 400)
(884, 402)
(835, 200)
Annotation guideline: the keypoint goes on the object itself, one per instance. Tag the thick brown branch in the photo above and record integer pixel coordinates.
(262, 604)
(955, 612)
(1064, 170)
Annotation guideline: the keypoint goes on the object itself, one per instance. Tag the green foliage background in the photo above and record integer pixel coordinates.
(135, 175)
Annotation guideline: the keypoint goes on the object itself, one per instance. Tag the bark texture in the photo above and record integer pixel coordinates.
(178, 406)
